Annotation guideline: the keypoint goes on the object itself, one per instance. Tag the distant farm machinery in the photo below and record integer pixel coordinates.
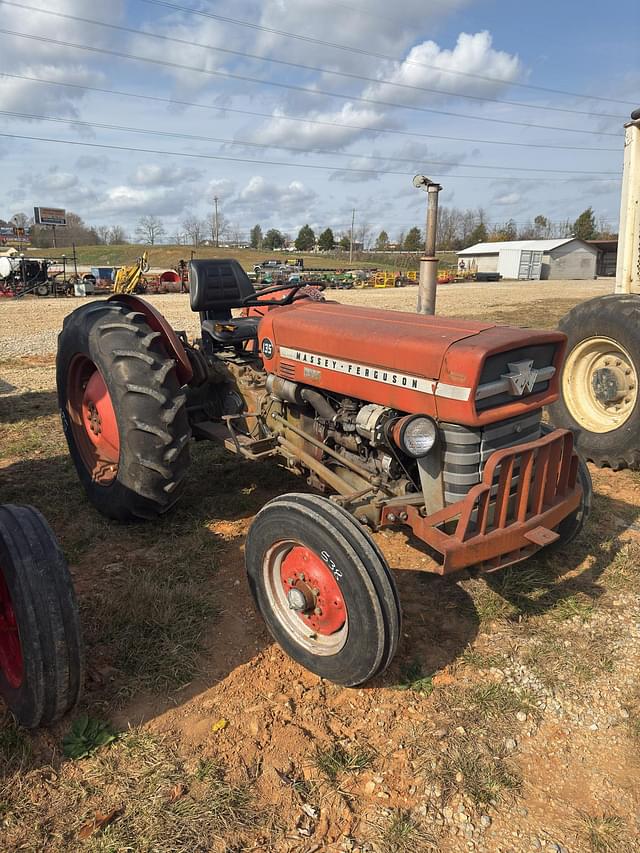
(23, 276)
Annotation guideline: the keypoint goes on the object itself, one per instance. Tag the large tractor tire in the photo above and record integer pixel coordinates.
(599, 398)
(123, 411)
(323, 588)
(41, 658)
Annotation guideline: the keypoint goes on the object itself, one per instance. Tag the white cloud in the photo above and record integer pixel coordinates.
(59, 181)
(427, 64)
(164, 175)
(328, 134)
(127, 200)
(425, 67)
(37, 98)
(293, 200)
(220, 187)
(369, 25)
(508, 199)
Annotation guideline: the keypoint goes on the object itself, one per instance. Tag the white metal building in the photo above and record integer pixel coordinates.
(566, 258)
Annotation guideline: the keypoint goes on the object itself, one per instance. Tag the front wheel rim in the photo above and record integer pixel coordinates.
(11, 660)
(93, 420)
(305, 597)
(600, 384)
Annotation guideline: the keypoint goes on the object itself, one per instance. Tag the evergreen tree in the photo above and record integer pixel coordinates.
(413, 240)
(273, 239)
(256, 237)
(584, 228)
(306, 239)
(326, 241)
(479, 234)
(382, 241)
(344, 243)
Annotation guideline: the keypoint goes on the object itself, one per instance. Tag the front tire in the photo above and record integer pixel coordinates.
(123, 411)
(323, 588)
(571, 527)
(600, 401)
(41, 658)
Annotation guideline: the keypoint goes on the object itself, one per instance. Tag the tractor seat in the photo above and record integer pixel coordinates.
(216, 285)
(235, 330)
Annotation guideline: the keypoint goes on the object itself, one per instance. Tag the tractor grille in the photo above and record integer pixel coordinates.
(466, 451)
(493, 390)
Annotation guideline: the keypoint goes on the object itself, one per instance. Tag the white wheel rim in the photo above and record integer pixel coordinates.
(584, 364)
(300, 633)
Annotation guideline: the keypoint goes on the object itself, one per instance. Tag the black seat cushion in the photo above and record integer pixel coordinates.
(232, 331)
(218, 284)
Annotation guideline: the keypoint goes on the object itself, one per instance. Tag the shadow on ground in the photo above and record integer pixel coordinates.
(166, 610)
(27, 406)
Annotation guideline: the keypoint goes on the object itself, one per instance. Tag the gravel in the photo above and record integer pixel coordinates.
(30, 326)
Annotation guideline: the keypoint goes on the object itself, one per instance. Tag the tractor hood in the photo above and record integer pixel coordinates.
(410, 362)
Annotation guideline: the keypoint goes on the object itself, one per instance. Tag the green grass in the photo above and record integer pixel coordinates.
(412, 678)
(335, 761)
(152, 623)
(161, 805)
(15, 746)
(604, 834)
(167, 256)
(483, 773)
(401, 832)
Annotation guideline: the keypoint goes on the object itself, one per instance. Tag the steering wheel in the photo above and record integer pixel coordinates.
(288, 299)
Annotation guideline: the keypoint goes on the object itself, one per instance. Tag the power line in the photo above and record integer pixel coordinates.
(252, 144)
(298, 65)
(282, 117)
(310, 91)
(363, 52)
(266, 162)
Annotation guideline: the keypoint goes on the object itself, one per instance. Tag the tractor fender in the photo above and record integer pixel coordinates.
(159, 324)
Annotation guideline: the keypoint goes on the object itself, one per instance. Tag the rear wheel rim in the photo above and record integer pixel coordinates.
(305, 597)
(592, 359)
(93, 420)
(11, 660)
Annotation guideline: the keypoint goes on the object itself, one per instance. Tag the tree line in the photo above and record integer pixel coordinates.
(457, 229)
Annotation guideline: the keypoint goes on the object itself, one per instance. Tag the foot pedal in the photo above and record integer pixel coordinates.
(542, 536)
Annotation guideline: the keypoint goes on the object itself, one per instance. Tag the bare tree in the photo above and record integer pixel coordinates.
(235, 234)
(150, 229)
(103, 233)
(20, 220)
(216, 230)
(362, 234)
(194, 230)
(117, 235)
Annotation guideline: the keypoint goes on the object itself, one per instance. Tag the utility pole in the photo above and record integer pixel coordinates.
(217, 234)
(353, 219)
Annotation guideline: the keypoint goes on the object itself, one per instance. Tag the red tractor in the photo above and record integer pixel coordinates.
(428, 423)
(41, 660)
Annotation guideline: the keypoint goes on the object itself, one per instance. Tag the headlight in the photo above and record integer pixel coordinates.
(415, 435)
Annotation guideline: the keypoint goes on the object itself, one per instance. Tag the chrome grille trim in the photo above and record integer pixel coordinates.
(465, 450)
(501, 386)
(495, 388)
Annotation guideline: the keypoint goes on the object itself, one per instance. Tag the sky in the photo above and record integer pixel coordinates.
(300, 111)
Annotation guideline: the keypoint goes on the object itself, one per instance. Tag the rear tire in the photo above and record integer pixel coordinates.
(603, 356)
(348, 631)
(41, 657)
(123, 411)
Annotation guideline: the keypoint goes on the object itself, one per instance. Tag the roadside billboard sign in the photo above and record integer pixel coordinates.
(49, 216)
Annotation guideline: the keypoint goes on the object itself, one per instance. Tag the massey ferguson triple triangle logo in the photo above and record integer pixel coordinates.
(522, 377)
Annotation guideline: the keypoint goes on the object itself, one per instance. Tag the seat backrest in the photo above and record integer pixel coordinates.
(218, 284)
